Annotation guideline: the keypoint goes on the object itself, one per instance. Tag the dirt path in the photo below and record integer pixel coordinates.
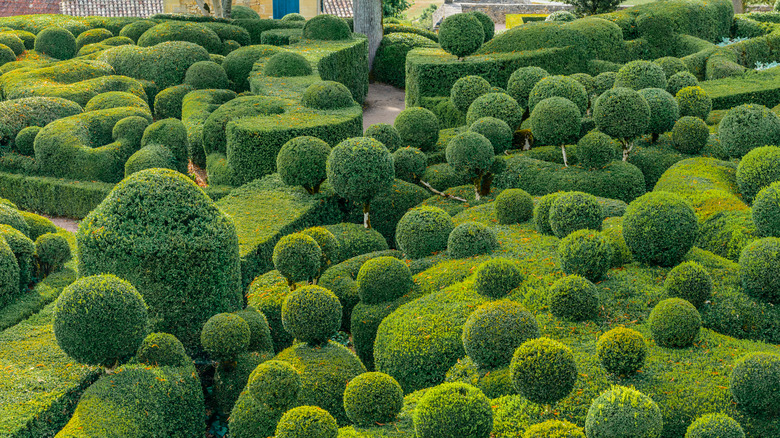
(63, 222)
(383, 104)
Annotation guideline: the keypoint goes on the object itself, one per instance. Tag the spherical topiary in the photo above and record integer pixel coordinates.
(225, 336)
(496, 131)
(766, 211)
(499, 105)
(690, 135)
(469, 239)
(13, 42)
(23, 250)
(383, 279)
(554, 428)
(574, 298)
(423, 231)
(622, 351)
(493, 332)
(671, 66)
(162, 350)
(373, 398)
(587, 253)
(513, 206)
(754, 382)
(543, 370)
(287, 64)
(311, 314)
(327, 95)
(25, 140)
(301, 162)
(52, 252)
(559, 86)
(675, 323)
(572, 211)
(203, 75)
(326, 27)
(100, 320)
(621, 113)
(11, 216)
(410, 164)
(680, 80)
(556, 121)
(461, 34)
(56, 42)
(386, 134)
(660, 228)
(418, 128)
(757, 169)
(747, 127)
(758, 269)
(297, 257)
(623, 412)
(595, 150)
(293, 16)
(603, 82)
(150, 157)
(275, 383)
(664, 110)
(542, 213)
(715, 426)
(307, 421)
(689, 281)
(470, 153)
(564, 16)
(522, 81)
(497, 277)
(586, 80)
(359, 168)
(694, 102)
(487, 24)
(466, 90)
(329, 245)
(260, 340)
(453, 410)
(638, 75)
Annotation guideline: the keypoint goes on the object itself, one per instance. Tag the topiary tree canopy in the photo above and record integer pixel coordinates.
(472, 154)
(301, 162)
(622, 113)
(664, 111)
(556, 121)
(467, 89)
(461, 34)
(543, 370)
(747, 127)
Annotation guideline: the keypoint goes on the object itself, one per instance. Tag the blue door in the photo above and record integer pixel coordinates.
(284, 7)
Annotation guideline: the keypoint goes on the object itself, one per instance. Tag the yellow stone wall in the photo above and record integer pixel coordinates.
(265, 8)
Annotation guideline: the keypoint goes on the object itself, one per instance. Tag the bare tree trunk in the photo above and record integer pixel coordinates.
(368, 21)
(227, 7)
(217, 5)
(201, 6)
(738, 8)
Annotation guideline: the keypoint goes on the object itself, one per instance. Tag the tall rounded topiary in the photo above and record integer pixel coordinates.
(671, 65)
(274, 383)
(386, 134)
(689, 281)
(747, 127)
(152, 229)
(554, 429)
(498, 105)
(715, 426)
(100, 320)
(307, 422)
(56, 42)
(301, 162)
(423, 231)
(466, 90)
(471, 154)
(623, 412)
(766, 211)
(410, 164)
(758, 169)
(640, 74)
(383, 279)
(206, 74)
(694, 102)
(564, 16)
(690, 135)
(587, 253)
(542, 212)
(373, 399)
(453, 410)
(326, 27)
(470, 239)
(543, 370)
(754, 382)
(260, 339)
(461, 34)
(287, 64)
(674, 323)
(311, 314)
(664, 111)
(622, 113)
(595, 150)
(225, 336)
(297, 257)
(496, 131)
(572, 211)
(513, 206)
(418, 128)
(493, 332)
(680, 80)
(556, 121)
(497, 277)
(574, 298)
(329, 245)
(559, 86)
(603, 82)
(759, 271)
(522, 81)
(622, 351)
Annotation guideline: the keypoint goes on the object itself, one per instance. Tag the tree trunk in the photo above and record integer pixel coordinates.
(368, 21)
(565, 159)
(738, 9)
(227, 7)
(217, 5)
(366, 215)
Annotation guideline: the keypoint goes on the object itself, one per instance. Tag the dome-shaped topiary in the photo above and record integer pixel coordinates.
(326, 27)
(559, 86)
(572, 211)
(260, 340)
(542, 212)
(754, 382)
(11, 216)
(573, 298)
(543, 370)
(100, 320)
(307, 422)
(496, 131)
(25, 140)
(498, 105)
(690, 135)
(554, 428)
(671, 66)
(423, 231)
(297, 257)
(603, 82)
(383, 279)
(641, 74)
(287, 64)
(23, 250)
(494, 331)
(674, 323)
(556, 121)
(587, 253)
(586, 80)
(660, 228)
(204, 75)
(469, 239)
(311, 314)
(410, 164)
(301, 162)
(758, 169)
(622, 351)
(689, 281)
(293, 16)
(52, 251)
(766, 211)
(564, 16)
(466, 90)
(522, 81)
(595, 150)
(56, 42)
(386, 134)
(681, 80)
(373, 398)
(461, 34)
(162, 350)
(329, 245)
(715, 426)
(623, 412)
(513, 206)
(453, 410)
(418, 128)
(497, 277)
(470, 153)
(664, 110)
(487, 24)
(150, 157)
(274, 383)
(759, 269)
(327, 95)
(621, 113)
(694, 102)
(14, 43)
(225, 336)
(747, 127)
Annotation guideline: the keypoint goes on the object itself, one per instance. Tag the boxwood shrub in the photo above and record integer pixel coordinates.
(753, 381)
(622, 351)
(758, 169)
(461, 34)
(572, 211)
(623, 411)
(587, 253)
(470, 239)
(543, 370)
(466, 90)
(573, 298)
(495, 330)
(423, 231)
(559, 86)
(196, 33)
(758, 264)
(373, 398)
(390, 60)
(640, 74)
(56, 42)
(453, 410)
(747, 127)
(715, 425)
(674, 323)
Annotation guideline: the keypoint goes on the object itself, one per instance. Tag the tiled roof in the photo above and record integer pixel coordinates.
(112, 8)
(339, 8)
(26, 7)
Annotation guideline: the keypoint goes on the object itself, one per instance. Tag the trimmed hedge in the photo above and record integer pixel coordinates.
(390, 58)
(224, 336)
(423, 231)
(327, 28)
(206, 74)
(56, 42)
(495, 330)
(471, 239)
(759, 168)
(164, 64)
(715, 425)
(196, 33)
(461, 34)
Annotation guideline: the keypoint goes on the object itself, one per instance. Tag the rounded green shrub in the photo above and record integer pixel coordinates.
(573, 298)
(162, 350)
(423, 231)
(11, 216)
(225, 336)
(239, 63)
(100, 320)
(327, 28)
(496, 131)
(603, 82)
(543, 370)
(469, 239)
(487, 24)
(453, 410)
(747, 127)
(327, 95)
(390, 61)
(694, 102)
(311, 314)
(689, 281)
(150, 157)
(239, 12)
(623, 412)
(587, 81)
(542, 212)
(690, 135)
(664, 110)
(307, 422)
(360, 168)
(660, 228)
(753, 383)
(13, 42)
(595, 150)
(622, 351)
(274, 383)
(373, 398)
(329, 245)
(497, 277)
(52, 251)
(297, 257)
(495, 330)
(640, 74)
(564, 16)
(418, 128)
(757, 169)
(260, 339)
(554, 428)
(470, 153)
(135, 29)
(498, 105)
(559, 86)
(556, 121)
(386, 134)
(92, 36)
(168, 102)
(572, 211)
(410, 164)
(383, 279)
(206, 74)
(302, 162)
(513, 206)
(522, 81)
(56, 42)
(758, 269)
(293, 16)
(674, 323)
(680, 80)
(766, 211)
(176, 30)
(115, 99)
(466, 90)
(715, 426)
(286, 64)
(587, 253)
(25, 140)
(23, 249)
(671, 66)
(621, 113)
(461, 34)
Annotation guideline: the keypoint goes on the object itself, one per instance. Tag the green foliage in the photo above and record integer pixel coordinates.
(171, 134)
(543, 370)
(287, 64)
(274, 383)
(595, 150)
(715, 426)
(385, 134)
(423, 231)
(311, 314)
(753, 382)
(498, 105)
(51, 252)
(38, 225)
(23, 249)
(522, 82)
(766, 211)
(690, 135)
(297, 257)
(664, 110)
(225, 336)
(327, 95)
(470, 153)
(622, 411)
(373, 398)
(573, 298)
(694, 102)
(12, 217)
(355, 240)
(383, 279)
(418, 128)
(497, 277)
(92, 36)
(689, 281)
(488, 26)
(554, 429)
(758, 169)
(18, 114)
(758, 264)
(301, 161)
(587, 253)
(461, 34)
(622, 351)
(135, 29)
(238, 64)
(327, 28)
(747, 127)
(330, 246)
(206, 74)
(674, 323)
(559, 86)
(168, 102)
(453, 410)
(572, 211)
(13, 42)
(603, 82)
(196, 33)
(495, 330)
(638, 75)
(470, 239)
(555, 121)
(681, 80)
(149, 157)
(542, 213)
(307, 422)
(466, 90)
(410, 164)
(56, 42)
(671, 67)
(513, 206)
(390, 60)
(25, 140)
(161, 350)
(621, 113)
(360, 168)
(115, 99)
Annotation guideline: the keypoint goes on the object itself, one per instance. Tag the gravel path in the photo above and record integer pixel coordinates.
(383, 104)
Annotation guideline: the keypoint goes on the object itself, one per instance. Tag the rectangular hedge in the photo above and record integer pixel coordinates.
(761, 87)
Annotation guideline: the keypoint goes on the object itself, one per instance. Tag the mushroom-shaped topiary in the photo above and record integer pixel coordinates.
(301, 162)
(690, 135)
(759, 269)
(327, 95)
(554, 428)
(100, 320)
(572, 211)
(715, 426)
(747, 127)
(522, 81)
(640, 74)
(52, 251)
(623, 412)
(674, 323)
(681, 80)
(423, 231)
(311, 314)
(287, 64)
(461, 34)
(556, 121)
(325, 27)
(574, 298)
(453, 410)
(56, 42)
(543, 370)
(497, 277)
(225, 336)
(466, 90)
(754, 382)
(297, 257)
(542, 212)
(513, 206)
(622, 351)
(664, 111)
(472, 154)
(469, 239)
(694, 102)
(766, 211)
(383, 279)
(496, 131)
(307, 422)
(559, 86)
(204, 75)
(498, 105)
(595, 150)
(410, 164)
(386, 134)
(275, 383)
(162, 350)
(329, 245)
(373, 399)
(418, 128)
(587, 253)
(495, 330)
(622, 113)
(689, 281)
(758, 169)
